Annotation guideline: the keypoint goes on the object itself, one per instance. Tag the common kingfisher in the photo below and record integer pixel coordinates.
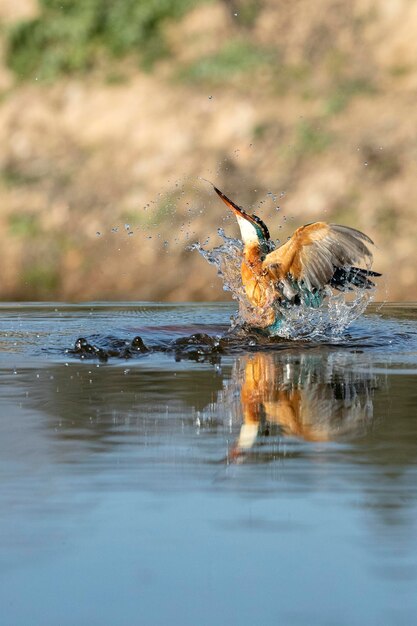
(317, 255)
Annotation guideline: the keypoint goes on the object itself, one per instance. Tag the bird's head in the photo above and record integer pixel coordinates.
(252, 228)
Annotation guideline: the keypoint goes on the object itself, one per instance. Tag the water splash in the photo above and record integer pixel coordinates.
(329, 320)
(227, 258)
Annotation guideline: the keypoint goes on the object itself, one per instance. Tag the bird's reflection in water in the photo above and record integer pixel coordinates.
(313, 397)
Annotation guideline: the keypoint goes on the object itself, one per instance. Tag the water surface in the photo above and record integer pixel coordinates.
(242, 484)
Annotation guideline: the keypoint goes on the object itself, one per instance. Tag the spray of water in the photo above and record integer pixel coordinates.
(329, 320)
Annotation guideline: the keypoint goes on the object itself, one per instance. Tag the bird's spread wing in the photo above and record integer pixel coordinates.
(311, 256)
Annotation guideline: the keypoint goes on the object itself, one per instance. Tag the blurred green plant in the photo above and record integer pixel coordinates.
(294, 76)
(311, 138)
(153, 215)
(245, 12)
(236, 57)
(261, 130)
(41, 279)
(344, 91)
(400, 70)
(345, 208)
(74, 35)
(388, 219)
(24, 225)
(12, 175)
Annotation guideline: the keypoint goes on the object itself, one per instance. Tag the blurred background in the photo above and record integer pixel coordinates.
(110, 112)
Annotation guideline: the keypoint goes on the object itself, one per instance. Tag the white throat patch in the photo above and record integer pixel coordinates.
(247, 230)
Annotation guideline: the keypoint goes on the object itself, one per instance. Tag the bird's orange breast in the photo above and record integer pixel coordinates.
(254, 279)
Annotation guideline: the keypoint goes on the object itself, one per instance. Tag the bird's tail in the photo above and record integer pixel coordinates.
(344, 279)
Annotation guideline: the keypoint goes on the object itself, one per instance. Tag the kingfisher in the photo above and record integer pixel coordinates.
(317, 255)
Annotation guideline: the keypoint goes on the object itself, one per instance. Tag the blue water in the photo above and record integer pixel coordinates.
(271, 485)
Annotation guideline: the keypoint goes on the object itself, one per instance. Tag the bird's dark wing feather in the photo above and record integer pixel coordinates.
(314, 253)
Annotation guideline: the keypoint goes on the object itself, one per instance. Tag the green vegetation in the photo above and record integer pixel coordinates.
(311, 138)
(41, 279)
(24, 225)
(234, 58)
(261, 130)
(153, 214)
(11, 175)
(74, 35)
(246, 11)
(294, 76)
(344, 92)
(345, 209)
(400, 70)
(388, 219)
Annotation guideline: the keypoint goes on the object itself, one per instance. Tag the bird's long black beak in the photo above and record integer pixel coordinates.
(260, 227)
(234, 207)
(237, 210)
